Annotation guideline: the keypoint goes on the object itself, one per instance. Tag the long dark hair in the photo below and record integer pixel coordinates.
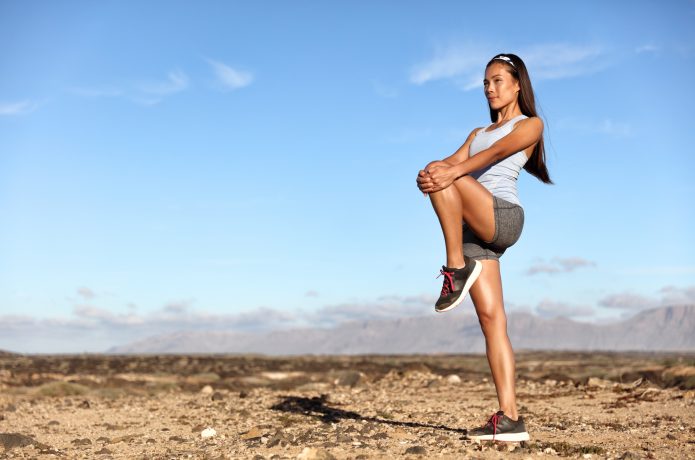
(527, 103)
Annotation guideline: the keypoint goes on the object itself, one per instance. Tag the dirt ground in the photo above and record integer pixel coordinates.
(576, 405)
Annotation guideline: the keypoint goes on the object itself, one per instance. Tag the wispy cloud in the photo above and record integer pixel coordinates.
(464, 64)
(385, 307)
(647, 48)
(145, 92)
(550, 309)
(86, 293)
(229, 77)
(559, 265)
(17, 108)
(667, 295)
(153, 92)
(175, 82)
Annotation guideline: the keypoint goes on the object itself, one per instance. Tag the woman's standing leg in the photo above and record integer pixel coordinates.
(487, 297)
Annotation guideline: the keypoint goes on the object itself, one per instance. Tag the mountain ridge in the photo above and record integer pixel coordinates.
(669, 328)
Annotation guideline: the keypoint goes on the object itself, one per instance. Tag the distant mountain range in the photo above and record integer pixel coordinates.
(669, 328)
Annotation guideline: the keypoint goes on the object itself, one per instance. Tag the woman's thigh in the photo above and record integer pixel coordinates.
(478, 211)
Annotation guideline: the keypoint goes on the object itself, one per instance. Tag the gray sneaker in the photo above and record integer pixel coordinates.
(457, 283)
(500, 428)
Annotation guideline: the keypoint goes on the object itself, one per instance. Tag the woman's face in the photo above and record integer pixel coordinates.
(501, 88)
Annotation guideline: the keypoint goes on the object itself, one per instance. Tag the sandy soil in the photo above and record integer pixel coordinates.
(576, 405)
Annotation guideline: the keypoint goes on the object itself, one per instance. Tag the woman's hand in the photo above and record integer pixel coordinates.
(423, 179)
(436, 177)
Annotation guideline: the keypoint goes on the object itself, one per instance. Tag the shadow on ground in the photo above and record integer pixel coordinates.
(316, 407)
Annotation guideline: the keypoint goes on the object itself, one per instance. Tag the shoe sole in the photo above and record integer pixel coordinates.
(504, 437)
(466, 287)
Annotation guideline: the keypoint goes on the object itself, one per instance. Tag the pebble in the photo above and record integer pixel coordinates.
(311, 453)
(206, 390)
(416, 450)
(208, 433)
(453, 379)
(11, 440)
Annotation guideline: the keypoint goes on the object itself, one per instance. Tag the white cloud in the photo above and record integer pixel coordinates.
(464, 64)
(628, 301)
(17, 108)
(229, 77)
(86, 293)
(382, 308)
(647, 48)
(559, 265)
(667, 296)
(549, 309)
(175, 82)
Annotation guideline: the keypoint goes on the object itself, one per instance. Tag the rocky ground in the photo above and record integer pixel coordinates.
(577, 405)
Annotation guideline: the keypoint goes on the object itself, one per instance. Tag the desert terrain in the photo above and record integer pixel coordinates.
(576, 405)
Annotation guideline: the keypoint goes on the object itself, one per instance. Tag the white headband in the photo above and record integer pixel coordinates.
(505, 59)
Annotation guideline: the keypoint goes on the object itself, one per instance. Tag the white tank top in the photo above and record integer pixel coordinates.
(499, 177)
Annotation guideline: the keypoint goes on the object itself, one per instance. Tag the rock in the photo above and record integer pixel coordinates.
(84, 405)
(103, 451)
(151, 441)
(277, 439)
(416, 450)
(682, 377)
(311, 453)
(217, 396)
(176, 438)
(314, 386)
(206, 390)
(208, 433)
(453, 379)
(254, 433)
(81, 442)
(595, 382)
(348, 378)
(12, 440)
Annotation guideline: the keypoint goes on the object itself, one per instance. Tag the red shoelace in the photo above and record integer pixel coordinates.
(494, 420)
(448, 285)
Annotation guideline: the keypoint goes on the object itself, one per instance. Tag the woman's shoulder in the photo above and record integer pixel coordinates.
(529, 121)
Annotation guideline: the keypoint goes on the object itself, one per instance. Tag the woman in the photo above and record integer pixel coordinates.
(474, 194)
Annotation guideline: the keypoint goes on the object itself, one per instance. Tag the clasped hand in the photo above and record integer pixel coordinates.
(436, 176)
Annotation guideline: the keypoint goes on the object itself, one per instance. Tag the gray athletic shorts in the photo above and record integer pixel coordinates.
(509, 221)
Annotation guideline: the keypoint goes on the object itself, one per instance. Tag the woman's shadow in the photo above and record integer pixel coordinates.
(316, 407)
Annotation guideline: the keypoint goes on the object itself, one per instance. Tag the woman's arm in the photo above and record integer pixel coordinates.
(461, 154)
(524, 134)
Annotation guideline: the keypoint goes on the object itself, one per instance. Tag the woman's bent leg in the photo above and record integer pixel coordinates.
(487, 297)
(464, 200)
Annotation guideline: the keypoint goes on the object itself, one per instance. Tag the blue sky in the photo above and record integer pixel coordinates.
(250, 165)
